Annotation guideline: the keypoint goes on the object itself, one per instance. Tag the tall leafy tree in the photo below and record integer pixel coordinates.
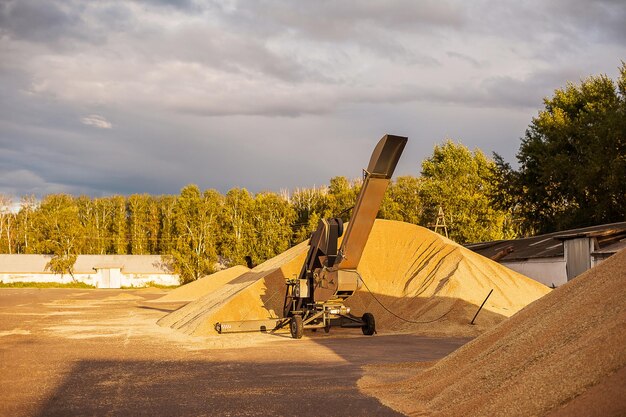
(59, 232)
(24, 222)
(7, 218)
(402, 200)
(573, 157)
(462, 183)
(88, 217)
(103, 217)
(166, 206)
(235, 243)
(153, 225)
(342, 195)
(139, 223)
(271, 221)
(119, 225)
(309, 204)
(196, 229)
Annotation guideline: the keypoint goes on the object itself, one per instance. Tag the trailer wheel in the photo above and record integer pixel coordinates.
(327, 328)
(296, 327)
(369, 324)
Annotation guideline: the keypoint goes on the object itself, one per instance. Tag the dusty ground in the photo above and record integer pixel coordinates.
(99, 352)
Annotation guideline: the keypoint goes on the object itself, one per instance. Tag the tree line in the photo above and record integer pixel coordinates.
(196, 230)
(572, 173)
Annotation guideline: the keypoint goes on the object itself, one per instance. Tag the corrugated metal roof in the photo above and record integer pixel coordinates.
(549, 245)
(85, 264)
(610, 249)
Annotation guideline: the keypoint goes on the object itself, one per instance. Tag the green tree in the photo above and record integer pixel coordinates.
(196, 231)
(119, 225)
(402, 201)
(59, 232)
(7, 220)
(462, 182)
(342, 195)
(166, 208)
(271, 221)
(309, 204)
(24, 223)
(139, 223)
(103, 217)
(88, 217)
(573, 157)
(236, 240)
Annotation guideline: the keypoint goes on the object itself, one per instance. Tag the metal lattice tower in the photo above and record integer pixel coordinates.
(441, 222)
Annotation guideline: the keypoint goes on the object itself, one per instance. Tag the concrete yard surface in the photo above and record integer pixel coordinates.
(100, 352)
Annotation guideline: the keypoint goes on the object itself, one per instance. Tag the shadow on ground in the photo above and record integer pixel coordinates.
(199, 388)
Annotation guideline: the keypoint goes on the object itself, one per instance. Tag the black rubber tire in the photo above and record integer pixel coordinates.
(327, 328)
(296, 327)
(369, 324)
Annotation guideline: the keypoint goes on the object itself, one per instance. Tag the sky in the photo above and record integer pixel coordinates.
(122, 97)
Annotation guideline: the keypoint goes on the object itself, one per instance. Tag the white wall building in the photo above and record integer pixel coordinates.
(101, 271)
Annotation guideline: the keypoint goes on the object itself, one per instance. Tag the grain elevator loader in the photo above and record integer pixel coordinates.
(315, 298)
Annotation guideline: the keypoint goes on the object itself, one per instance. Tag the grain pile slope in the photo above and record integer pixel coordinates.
(239, 299)
(203, 286)
(538, 362)
(435, 283)
(416, 273)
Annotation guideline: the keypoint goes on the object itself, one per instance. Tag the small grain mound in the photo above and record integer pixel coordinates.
(241, 298)
(563, 354)
(203, 286)
(419, 275)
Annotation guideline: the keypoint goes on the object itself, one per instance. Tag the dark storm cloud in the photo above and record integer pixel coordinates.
(48, 22)
(227, 52)
(340, 21)
(32, 20)
(499, 91)
(370, 25)
(457, 55)
(146, 96)
(601, 20)
(188, 5)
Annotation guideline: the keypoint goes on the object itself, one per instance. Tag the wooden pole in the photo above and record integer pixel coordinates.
(481, 306)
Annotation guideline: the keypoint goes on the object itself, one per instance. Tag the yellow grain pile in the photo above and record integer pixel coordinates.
(203, 286)
(419, 275)
(562, 355)
(435, 283)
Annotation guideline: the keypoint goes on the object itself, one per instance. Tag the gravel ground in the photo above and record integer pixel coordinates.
(99, 352)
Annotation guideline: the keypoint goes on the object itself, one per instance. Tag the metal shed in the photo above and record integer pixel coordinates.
(555, 258)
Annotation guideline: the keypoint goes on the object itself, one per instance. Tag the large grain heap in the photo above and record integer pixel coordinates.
(417, 274)
(562, 355)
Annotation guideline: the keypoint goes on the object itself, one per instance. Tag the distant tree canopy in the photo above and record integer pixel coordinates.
(572, 173)
(573, 158)
(196, 230)
(463, 184)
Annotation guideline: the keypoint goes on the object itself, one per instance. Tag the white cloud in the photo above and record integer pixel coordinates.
(96, 120)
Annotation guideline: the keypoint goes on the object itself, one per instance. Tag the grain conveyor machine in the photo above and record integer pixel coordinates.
(315, 299)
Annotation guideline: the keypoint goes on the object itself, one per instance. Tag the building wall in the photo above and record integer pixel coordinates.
(548, 271)
(95, 279)
(577, 253)
(102, 271)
